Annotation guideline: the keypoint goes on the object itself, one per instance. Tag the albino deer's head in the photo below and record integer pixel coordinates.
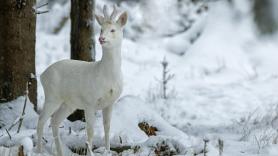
(111, 29)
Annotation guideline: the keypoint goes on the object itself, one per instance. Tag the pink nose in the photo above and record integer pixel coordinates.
(101, 39)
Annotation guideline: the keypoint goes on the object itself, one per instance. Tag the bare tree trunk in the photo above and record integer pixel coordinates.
(82, 41)
(265, 17)
(17, 49)
(82, 37)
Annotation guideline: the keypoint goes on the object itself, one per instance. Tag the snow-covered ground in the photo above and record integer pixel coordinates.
(225, 82)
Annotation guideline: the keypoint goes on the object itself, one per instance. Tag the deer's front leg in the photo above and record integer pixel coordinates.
(107, 112)
(90, 120)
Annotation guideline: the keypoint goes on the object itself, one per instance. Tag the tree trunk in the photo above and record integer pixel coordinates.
(17, 49)
(82, 37)
(264, 16)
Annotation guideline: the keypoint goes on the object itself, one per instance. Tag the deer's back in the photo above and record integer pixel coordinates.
(77, 82)
(66, 77)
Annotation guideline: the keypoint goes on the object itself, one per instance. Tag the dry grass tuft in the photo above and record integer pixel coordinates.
(149, 130)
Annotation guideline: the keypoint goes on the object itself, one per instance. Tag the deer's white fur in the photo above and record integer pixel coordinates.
(70, 84)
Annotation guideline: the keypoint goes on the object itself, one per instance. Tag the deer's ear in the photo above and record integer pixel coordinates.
(122, 19)
(100, 19)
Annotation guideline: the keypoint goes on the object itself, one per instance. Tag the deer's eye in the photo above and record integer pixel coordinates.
(113, 30)
(101, 31)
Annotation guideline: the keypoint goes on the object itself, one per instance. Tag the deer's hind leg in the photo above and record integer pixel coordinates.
(56, 120)
(50, 106)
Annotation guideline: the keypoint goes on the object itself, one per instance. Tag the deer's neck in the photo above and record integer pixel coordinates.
(111, 60)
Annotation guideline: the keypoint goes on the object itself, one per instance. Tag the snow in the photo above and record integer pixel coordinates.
(27, 145)
(225, 85)
(129, 107)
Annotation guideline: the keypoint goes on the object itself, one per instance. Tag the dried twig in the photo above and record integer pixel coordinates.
(8, 134)
(40, 6)
(121, 141)
(14, 123)
(44, 140)
(41, 12)
(69, 130)
(205, 146)
(166, 77)
(220, 146)
(24, 107)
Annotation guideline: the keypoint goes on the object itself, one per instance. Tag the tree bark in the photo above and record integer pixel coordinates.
(82, 37)
(17, 49)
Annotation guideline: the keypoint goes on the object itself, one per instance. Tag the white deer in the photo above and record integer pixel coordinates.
(70, 84)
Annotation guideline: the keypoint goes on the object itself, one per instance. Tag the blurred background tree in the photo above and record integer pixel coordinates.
(265, 16)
